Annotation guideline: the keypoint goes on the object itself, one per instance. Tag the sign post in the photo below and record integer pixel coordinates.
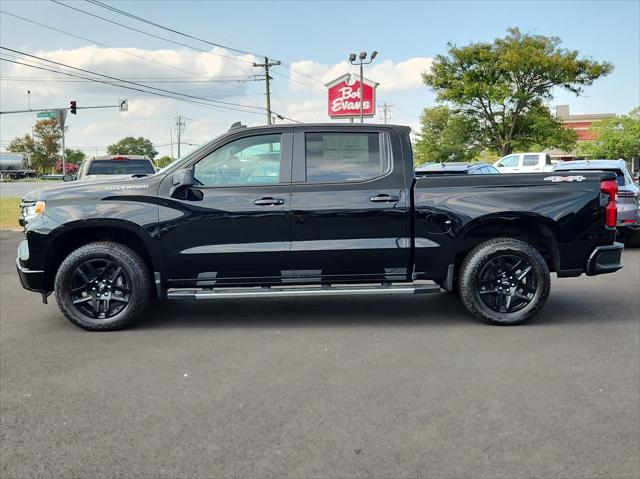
(344, 96)
(62, 116)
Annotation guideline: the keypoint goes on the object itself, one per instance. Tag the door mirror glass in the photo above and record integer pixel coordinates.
(181, 180)
(68, 177)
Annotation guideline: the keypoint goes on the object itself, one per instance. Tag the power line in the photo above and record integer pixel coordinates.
(177, 32)
(65, 80)
(193, 37)
(119, 85)
(128, 87)
(131, 82)
(97, 43)
(149, 34)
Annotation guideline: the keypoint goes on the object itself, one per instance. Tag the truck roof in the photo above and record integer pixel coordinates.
(236, 127)
(591, 165)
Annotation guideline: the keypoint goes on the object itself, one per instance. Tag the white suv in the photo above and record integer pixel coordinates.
(524, 163)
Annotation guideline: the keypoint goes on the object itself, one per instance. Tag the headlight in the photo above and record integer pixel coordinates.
(31, 211)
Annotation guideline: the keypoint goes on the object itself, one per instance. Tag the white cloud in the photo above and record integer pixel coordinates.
(153, 116)
(405, 75)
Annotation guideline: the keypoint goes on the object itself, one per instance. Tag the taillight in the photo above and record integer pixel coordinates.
(120, 158)
(610, 187)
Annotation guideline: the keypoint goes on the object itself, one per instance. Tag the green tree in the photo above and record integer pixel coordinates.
(47, 135)
(74, 156)
(133, 146)
(497, 84)
(22, 144)
(538, 129)
(164, 161)
(445, 136)
(617, 137)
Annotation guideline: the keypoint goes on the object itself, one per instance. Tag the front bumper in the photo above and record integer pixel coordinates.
(605, 259)
(33, 280)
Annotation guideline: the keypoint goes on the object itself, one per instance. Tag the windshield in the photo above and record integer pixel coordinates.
(121, 167)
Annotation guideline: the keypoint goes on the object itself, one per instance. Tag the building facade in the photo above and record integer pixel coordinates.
(581, 124)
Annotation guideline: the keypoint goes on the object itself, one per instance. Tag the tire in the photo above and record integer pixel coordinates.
(633, 240)
(504, 281)
(108, 276)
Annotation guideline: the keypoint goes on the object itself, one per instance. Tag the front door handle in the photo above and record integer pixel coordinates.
(268, 201)
(384, 199)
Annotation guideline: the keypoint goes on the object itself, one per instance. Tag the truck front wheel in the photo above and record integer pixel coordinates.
(504, 281)
(102, 286)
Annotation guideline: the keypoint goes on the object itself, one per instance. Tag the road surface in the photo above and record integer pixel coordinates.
(325, 387)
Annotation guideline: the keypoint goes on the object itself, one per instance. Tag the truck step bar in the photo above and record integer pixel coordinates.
(258, 292)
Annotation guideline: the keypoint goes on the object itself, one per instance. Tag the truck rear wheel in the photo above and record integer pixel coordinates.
(102, 286)
(504, 281)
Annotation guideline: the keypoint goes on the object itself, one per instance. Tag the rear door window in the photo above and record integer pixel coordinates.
(530, 160)
(121, 167)
(344, 157)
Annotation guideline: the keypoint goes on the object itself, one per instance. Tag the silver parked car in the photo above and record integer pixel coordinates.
(112, 167)
(628, 192)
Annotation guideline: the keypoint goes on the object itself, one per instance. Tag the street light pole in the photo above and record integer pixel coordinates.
(361, 58)
(361, 93)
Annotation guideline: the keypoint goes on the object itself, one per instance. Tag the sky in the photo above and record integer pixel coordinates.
(311, 39)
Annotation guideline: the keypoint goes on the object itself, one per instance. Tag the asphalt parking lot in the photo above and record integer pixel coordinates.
(330, 387)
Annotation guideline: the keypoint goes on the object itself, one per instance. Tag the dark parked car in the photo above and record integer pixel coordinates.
(313, 210)
(456, 169)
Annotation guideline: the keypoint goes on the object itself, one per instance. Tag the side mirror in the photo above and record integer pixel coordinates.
(68, 177)
(180, 180)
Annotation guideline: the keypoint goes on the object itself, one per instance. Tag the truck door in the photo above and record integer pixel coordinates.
(233, 226)
(349, 206)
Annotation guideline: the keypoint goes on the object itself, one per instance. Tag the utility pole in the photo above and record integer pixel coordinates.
(267, 79)
(180, 126)
(386, 109)
(171, 132)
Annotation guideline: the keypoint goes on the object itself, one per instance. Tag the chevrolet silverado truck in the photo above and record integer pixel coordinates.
(313, 209)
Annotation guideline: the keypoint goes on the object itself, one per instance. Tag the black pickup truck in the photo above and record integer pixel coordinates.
(313, 210)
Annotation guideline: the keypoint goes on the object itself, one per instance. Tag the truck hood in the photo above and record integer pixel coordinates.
(95, 189)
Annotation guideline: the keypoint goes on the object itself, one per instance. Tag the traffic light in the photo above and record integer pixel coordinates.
(73, 107)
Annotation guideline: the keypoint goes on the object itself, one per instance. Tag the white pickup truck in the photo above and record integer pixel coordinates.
(524, 163)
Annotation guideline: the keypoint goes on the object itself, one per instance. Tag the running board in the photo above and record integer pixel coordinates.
(259, 292)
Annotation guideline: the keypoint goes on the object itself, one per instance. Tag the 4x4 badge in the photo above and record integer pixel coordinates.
(558, 179)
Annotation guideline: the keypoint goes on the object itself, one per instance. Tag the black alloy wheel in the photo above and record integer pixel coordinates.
(100, 288)
(506, 283)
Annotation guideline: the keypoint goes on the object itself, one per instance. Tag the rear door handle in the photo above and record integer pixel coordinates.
(268, 201)
(384, 199)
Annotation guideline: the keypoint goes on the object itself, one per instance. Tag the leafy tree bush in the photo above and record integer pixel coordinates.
(501, 87)
(133, 146)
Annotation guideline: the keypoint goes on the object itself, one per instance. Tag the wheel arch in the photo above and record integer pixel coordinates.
(74, 235)
(538, 231)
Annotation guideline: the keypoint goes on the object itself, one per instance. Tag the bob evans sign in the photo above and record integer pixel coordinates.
(344, 97)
